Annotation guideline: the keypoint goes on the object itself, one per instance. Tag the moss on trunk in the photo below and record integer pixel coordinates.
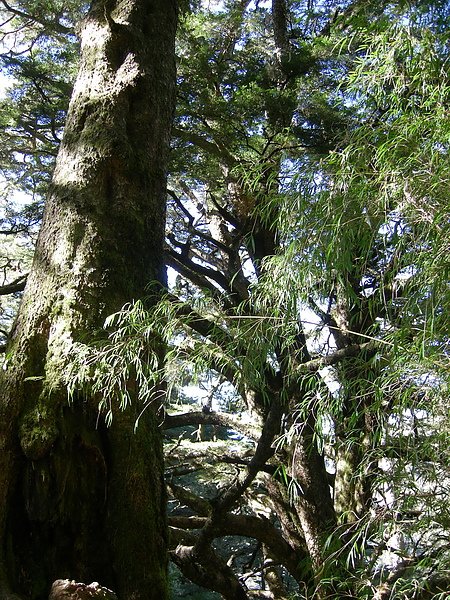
(78, 500)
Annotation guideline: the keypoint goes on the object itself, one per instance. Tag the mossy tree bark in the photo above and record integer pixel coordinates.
(79, 500)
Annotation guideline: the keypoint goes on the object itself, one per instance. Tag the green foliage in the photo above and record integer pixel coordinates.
(308, 215)
(345, 164)
(121, 370)
(38, 60)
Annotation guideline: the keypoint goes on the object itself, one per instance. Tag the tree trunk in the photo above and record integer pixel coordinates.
(78, 500)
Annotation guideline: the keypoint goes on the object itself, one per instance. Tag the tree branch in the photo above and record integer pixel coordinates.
(209, 571)
(224, 502)
(225, 214)
(258, 528)
(201, 506)
(18, 285)
(210, 147)
(195, 271)
(369, 348)
(55, 26)
(201, 418)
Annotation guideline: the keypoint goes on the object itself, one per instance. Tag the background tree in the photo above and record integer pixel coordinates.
(39, 51)
(78, 500)
(278, 226)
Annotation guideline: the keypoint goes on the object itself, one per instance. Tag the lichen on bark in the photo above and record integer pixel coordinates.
(79, 500)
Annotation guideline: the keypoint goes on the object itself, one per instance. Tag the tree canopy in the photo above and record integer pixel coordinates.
(305, 319)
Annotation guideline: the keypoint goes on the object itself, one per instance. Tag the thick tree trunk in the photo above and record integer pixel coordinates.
(79, 500)
(312, 502)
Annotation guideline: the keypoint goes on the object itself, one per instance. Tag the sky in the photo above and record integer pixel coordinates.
(217, 5)
(4, 82)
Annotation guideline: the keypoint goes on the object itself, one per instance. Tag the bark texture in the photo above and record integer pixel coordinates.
(78, 500)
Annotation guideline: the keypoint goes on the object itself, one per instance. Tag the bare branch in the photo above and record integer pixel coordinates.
(193, 270)
(224, 502)
(18, 285)
(368, 348)
(210, 571)
(201, 506)
(201, 418)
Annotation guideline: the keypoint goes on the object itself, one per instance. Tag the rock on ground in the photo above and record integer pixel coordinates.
(64, 589)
